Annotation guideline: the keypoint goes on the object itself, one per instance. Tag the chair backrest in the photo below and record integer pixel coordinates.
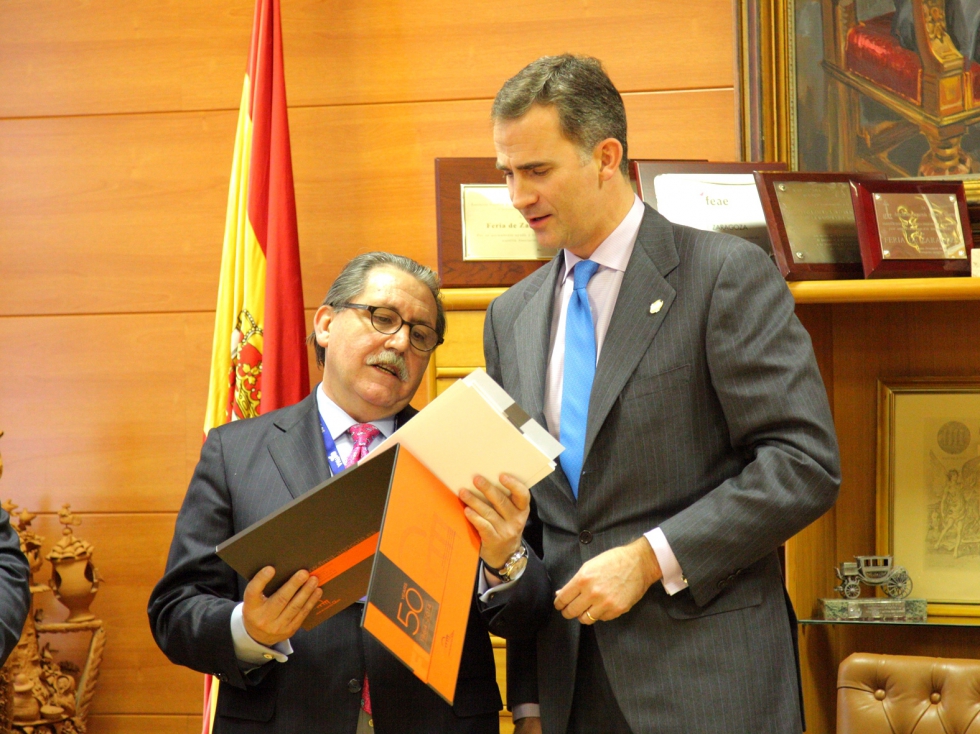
(903, 694)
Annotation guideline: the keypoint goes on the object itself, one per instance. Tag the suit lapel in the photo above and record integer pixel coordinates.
(633, 326)
(533, 330)
(298, 452)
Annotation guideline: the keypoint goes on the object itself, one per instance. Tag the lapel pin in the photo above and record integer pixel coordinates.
(656, 306)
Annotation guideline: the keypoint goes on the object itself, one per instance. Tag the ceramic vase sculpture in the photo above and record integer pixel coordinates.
(74, 579)
(40, 694)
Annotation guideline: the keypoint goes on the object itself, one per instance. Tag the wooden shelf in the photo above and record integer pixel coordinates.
(893, 289)
(808, 291)
(931, 621)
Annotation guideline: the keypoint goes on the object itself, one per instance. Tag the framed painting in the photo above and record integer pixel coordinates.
(928, 493)
(868, 85)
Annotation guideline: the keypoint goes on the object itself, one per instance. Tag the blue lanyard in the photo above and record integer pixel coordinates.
(333, 458)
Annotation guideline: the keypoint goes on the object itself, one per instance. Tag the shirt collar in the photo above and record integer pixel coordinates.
(614, 252)
(337, 420)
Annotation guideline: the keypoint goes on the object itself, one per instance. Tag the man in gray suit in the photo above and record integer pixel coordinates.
(698, 437)
(373, 336)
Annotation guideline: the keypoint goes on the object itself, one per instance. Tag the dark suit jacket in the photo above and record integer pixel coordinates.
(707, 419)
(247, 470)
(15, 594)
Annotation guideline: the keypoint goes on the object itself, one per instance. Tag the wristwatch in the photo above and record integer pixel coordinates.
(513, 567)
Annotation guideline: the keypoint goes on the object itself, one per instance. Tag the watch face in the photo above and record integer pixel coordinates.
(517, 566)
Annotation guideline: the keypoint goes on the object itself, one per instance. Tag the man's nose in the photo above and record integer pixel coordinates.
(522, 194)
(400, 340)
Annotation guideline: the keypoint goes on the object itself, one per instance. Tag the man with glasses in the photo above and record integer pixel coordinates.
(373, 336)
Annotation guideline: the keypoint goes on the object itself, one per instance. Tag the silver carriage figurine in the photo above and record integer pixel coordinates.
(873, 571)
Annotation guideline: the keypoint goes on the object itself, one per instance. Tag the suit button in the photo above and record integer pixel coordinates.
(585, 537)
(354, 685)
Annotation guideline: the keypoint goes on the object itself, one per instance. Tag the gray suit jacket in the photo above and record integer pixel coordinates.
(247, 470)
(710, 420)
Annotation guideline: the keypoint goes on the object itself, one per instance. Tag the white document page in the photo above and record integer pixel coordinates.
(720, 202)
(467, 431)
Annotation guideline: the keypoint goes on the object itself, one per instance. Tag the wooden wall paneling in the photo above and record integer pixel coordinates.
(113, 214)
(872, 341)
(810, 555)
(105, 410)
(105, 57)
(377, 51)
(365, 175)
(130, 555)
(85, 58)
(128, 724)
(127, 212)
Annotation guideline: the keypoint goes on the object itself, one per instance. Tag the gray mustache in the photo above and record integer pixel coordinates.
(393, 360)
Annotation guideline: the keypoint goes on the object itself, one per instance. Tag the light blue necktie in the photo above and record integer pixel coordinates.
(580, 358)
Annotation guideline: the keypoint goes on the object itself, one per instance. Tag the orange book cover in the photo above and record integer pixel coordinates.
(423, 577)
(332, 531)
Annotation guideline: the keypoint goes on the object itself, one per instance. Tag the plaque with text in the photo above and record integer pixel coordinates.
(493, 229)
(645, 172)
(455, 270)
(912, 228)
(811, 223)
(717, 202)
(710, 195)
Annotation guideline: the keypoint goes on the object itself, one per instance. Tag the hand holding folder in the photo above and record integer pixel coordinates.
(401, 502)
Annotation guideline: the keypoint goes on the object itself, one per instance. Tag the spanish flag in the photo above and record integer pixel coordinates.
(258, 358)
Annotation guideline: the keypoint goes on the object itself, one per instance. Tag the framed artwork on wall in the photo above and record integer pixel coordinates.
(868, 85)
(928, 488)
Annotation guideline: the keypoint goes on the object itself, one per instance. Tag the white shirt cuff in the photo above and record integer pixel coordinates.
(673, 577)
(485, 592)
(248, 650)
(524, 710)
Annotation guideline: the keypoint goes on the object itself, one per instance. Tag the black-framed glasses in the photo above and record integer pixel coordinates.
(388, 321)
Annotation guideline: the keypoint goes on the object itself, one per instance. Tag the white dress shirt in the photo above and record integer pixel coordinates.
(613, 255)
(249, 652)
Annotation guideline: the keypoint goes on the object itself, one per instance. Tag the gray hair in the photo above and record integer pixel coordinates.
(589, 107)
(353, 279)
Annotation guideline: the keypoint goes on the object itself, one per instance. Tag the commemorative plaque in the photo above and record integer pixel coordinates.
(912, 228)
(811, 223)
(493, 229)
(495, 249)
(720, 197)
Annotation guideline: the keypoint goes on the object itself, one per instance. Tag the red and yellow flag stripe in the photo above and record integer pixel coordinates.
(258, 357)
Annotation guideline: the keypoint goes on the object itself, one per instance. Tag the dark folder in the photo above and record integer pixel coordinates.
(332, 530)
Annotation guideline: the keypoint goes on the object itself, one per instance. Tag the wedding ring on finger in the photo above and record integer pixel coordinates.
(594, 620)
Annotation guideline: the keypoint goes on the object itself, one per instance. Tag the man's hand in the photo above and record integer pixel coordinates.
(498, 517)
(272, 619)
(610, 584)
(528, 725)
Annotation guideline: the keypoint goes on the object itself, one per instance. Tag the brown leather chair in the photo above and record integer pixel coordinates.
(903, 694)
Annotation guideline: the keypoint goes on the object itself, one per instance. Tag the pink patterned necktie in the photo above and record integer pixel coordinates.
(363, 434)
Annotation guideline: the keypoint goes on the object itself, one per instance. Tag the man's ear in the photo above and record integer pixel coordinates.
(609, 154)
(322, 320)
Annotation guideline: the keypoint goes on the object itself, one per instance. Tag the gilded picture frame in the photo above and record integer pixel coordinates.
(928, 488)
(805, 99)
